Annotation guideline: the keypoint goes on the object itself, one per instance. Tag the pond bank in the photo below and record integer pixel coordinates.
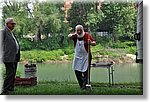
(128, 58)
(67, 55)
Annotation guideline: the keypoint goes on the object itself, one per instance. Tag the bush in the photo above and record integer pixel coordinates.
(25, 44)
(47, 44)
(68, 51)
(123, 44)
(71, 56)
(131, 50)
(103, 40)
(97, 48)
(41, 55)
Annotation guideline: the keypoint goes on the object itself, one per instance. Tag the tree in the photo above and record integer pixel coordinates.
(78, 13)
(46, 19)
(18, 11)
(121, 18)
(118, 18)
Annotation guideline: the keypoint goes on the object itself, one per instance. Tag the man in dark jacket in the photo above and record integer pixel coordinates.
(10, 54)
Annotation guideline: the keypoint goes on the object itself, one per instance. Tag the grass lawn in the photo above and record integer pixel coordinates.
(68, 88)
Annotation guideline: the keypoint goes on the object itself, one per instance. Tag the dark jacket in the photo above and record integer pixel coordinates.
(9, 47)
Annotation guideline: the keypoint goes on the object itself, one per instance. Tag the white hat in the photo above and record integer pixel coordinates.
(79, 26)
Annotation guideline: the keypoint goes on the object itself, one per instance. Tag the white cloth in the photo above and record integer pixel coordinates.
(80, 62)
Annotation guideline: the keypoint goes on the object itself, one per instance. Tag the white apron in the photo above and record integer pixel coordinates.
(80, 62)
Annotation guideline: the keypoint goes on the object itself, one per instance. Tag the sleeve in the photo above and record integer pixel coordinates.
(2, 35)
(91, 38)
(74, 37)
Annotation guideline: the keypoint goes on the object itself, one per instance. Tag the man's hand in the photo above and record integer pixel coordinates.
(89, 42)
(70, 35)
(93, 43)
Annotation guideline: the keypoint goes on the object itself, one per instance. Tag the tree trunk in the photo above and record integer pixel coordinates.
(112, 38)
(39, 35)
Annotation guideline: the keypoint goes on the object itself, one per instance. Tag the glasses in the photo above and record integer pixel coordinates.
(13, 23)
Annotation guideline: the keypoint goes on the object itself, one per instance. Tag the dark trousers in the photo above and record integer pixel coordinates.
(82, 78)
(9, 80)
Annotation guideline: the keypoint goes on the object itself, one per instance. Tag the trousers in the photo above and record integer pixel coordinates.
(9, 81)
(82, 78)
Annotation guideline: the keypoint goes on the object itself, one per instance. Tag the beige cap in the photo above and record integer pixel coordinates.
(10, 20)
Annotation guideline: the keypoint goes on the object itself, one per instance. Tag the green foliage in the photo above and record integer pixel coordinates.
(131, 50)
(41, 55)
(71, 56)
(97, 48)
(78, 13)
(18, 73)
(119, 45)
(56, 55)
(48, 44)
(119, 19)
(25, 44)
(3, 73)
(123, 44)
(93, 18)
(103, 40)
(68, 50)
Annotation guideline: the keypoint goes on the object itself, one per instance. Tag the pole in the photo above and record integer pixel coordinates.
(88, 86)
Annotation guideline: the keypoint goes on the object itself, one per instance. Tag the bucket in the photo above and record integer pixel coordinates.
(30, 70)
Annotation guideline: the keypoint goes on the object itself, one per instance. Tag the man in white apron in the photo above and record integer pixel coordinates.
(80, 63)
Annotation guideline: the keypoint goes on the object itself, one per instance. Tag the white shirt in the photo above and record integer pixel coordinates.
(17, 45)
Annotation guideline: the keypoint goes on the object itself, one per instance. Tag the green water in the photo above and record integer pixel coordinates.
(63, 72)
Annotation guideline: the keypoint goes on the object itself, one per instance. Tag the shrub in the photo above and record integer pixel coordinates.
(41, 55)
(68, 51)
(123, 44)
(25, 44)
(131, 50)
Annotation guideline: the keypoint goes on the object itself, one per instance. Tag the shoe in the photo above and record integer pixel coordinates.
(10, 89)
(5, 93)
(83, 88)
(88, 87)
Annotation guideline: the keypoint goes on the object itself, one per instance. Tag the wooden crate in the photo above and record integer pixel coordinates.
(31, 81)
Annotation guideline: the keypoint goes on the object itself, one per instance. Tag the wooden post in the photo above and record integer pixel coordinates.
(88, 61)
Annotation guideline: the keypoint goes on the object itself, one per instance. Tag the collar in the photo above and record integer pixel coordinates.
(8, 29)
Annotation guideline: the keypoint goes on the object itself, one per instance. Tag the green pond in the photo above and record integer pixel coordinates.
(123, 73)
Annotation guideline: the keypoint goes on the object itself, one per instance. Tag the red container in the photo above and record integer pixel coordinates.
(31, 81)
